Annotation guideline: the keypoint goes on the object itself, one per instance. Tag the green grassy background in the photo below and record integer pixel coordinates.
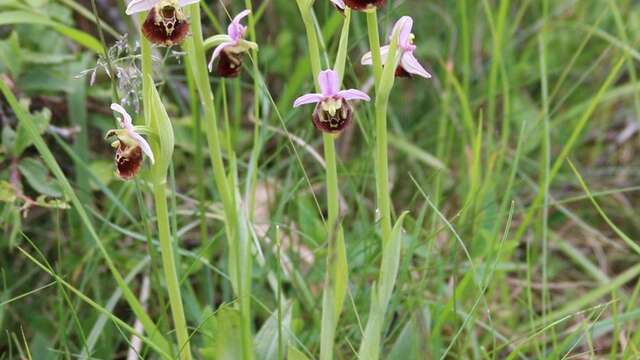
(516, 161)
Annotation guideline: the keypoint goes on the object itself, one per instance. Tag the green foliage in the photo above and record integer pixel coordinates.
(516, 163)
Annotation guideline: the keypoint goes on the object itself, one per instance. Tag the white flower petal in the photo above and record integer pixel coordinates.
(125, 120)
(184, 3)
(367, 58)
(412, 66)
(144, 145)
(137, 6)
(308, 99)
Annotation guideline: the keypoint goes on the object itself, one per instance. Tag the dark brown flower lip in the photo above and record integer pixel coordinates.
(128, 161)
(323, 121)
(166, 27)
(229, 64)
(360, 5)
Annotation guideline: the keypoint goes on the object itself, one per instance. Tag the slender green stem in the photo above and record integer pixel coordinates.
(332, 302)
(170, 271)
(381, 157)
(257, 142)
(198, 158)
(194, 47)
(164, 230)
(374, 43)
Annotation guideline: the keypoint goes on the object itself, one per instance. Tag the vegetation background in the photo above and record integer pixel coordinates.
(516, 163)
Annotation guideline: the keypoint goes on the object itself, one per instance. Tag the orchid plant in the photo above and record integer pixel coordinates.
(130, 145)
(165, 23)
(231, 48)
(333, 111)
(408, 64)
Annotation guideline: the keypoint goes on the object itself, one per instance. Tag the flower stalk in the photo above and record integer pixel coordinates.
(337, 272)
(158, 121)
(391, 237)
(239, 245)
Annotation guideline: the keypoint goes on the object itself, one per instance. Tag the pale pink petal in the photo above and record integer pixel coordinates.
(353, 94)
(403, 29)
(339, 3)
(236, 30)
(137, 6)
(308, 99)
(412, 66)
(241, 16)
(184, 3)
(329, 82)
(125, 120)
(217, 51)
(368, 60)
(144, 145)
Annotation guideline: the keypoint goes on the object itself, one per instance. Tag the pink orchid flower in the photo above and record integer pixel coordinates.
(231, 47)
(130, 145)
(333, 112)
(409, 65)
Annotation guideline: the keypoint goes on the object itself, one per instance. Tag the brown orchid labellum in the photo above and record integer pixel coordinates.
(360, 5)
(165, 24)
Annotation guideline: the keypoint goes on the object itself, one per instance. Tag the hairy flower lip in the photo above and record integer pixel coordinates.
(408, 65)
(165, 23)
(333, 111)
(229, 64)
(165, 30)
(360, 5)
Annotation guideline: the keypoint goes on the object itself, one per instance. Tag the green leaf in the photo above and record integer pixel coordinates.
(27, 17)
(228, 345)
(8, 138)
(103, 172)
(161, 125)
(381, 293)
(341, 274)
(7, 192)
(266, 340)
(23, 140)
(390, 262)
(37, 175)
(156, 339)
(10, 55)
(295, 354)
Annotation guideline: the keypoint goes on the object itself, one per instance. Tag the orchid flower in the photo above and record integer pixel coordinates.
(231, 47)
(409, 65)
(360, 5)
(165, 23)
(130, 145)
(333, 112)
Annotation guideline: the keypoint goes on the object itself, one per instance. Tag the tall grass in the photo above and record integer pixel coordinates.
(488, 213)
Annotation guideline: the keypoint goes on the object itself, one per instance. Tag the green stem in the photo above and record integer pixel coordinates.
(330, 307)
(374, 43)
(250, 192)
(381, 155)
(194, 47)
(164, 232)
(170, 271)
